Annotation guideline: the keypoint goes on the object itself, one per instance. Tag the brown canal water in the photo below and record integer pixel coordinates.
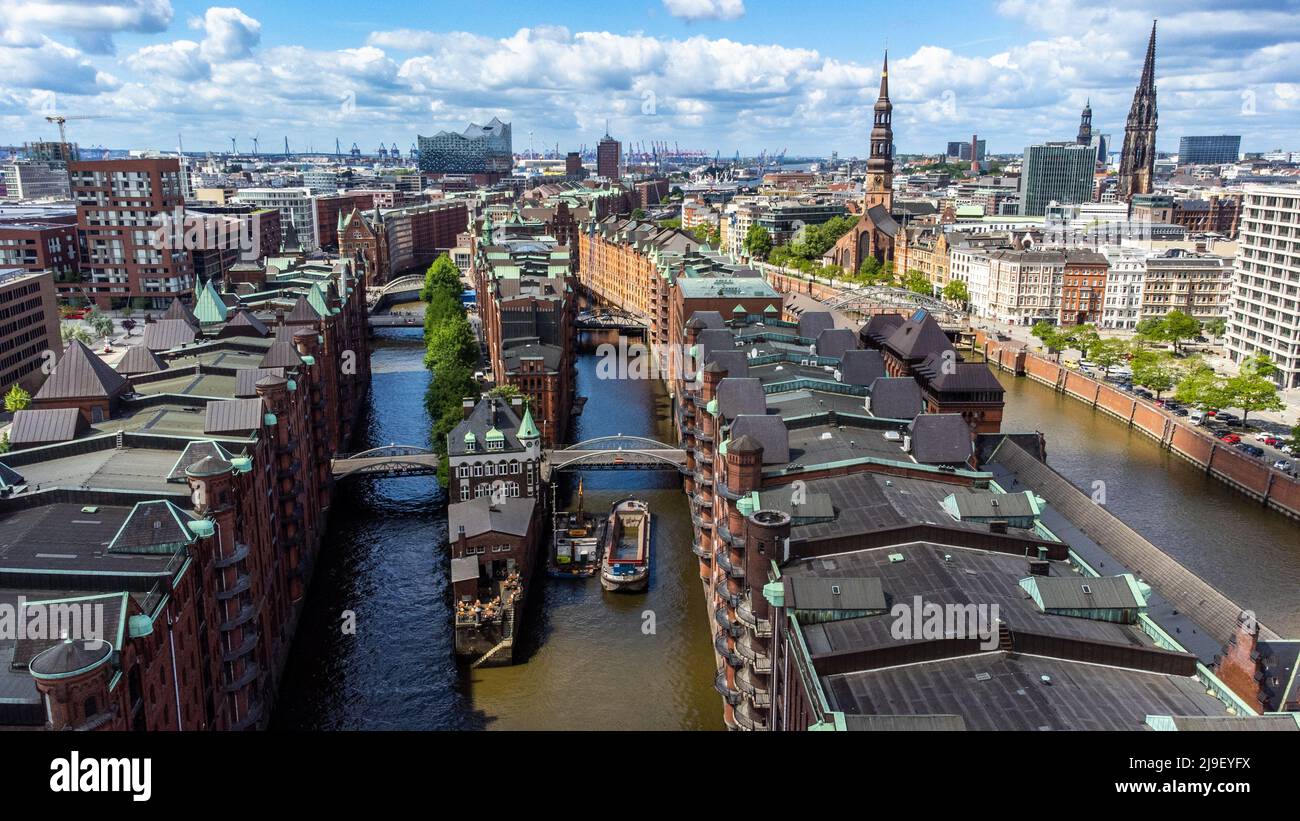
(589, 661)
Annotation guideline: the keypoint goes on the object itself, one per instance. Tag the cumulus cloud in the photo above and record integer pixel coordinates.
(51, 66)
(181, 60)
(91, 24)
(230, 34)
(706, 9)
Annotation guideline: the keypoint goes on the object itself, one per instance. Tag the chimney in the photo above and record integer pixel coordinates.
(998, 526)
(466, 407)
(1039, 567)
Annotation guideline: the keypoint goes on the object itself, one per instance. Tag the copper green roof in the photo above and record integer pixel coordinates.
(527, 429)
(495, 435)
(210, 310)
(317, 299)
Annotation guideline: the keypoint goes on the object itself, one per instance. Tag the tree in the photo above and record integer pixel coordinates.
(100, 324)
(1252, 389)
(1202, 387)
(1083, 337)
(1216, 327)
(17, 399)
(917, 282)
(69, 331)
(675, 222)
(956, 291)
(758, 242)
(638, 214)
(1108, 353)
(442, 277)
(1177, 326)
(1154, 371)
(1150, 329)
(1051, 337)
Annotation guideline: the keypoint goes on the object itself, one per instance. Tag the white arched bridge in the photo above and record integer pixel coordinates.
(870, 298)
(618, 452)
(389, 461)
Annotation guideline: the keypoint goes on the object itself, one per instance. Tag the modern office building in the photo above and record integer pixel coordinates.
(296, 207)
(27, 180)
(479, 149)
(1221, 149)
(1059, 173)
(608, 157)
(961, 151)
(119, 203)
(321, 181)
(1264, 315)
(43, 243)
(29, 326)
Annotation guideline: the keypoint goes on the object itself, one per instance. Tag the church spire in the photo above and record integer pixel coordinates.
(1137, 160)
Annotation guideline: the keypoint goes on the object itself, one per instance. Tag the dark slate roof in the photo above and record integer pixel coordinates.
(246, 380)
(152, 527)
(861, 367)
(882, 220)
(895, 397)
(715, 339)
(737, 395)
(464, 569)
(961, 377)
(734, 361)
(917, 338)
(834, 593)
(10, 477)
(905, 724)
(179, 310)
(770, 434)
(1078, 593)
(244, 323)
(744, 444)
(281, 354)
(941, 439)
(302, 312)
(139, 359)
(482, 515)
(811, 323)
(813, 504)
(46, 425)
(707, 319)
(167, 334)
(1237, 724)
(880, 327)
(233, 416)
(833, 342)
(194, 452)
(487, 414)
(71, 656)
(80, 374)
(551, 355)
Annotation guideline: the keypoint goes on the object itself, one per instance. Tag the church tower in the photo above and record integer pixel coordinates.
(1138, 159)
(880, 166)
(1085, 125)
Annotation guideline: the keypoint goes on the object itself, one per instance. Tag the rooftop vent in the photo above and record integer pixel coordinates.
(983, 677)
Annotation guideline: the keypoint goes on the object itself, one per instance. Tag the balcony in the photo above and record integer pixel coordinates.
(251, 672)
(761, 627)
(729, 627)
(748, 648)
(730, 598)
(735, 570)
(703, 552)
(729, 694)
(729, 656)
(753, 687)
(748, 717)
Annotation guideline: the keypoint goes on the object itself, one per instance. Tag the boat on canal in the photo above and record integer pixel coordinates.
(575, 542)
(625, 566)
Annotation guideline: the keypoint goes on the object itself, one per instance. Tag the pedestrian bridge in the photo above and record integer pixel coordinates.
(390, 461)
(614, 453)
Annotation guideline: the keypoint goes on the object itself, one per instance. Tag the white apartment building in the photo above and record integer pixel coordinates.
(1180, 280)
(1024, 287)
(1264, 315)
(1121, 305)
(294, 204)
(971, 266)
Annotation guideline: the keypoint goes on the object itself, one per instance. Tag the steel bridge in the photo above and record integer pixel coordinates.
(614, 453)
(391, 461)
(871, 298)
(608, 319)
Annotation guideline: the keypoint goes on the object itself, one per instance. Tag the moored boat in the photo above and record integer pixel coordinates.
(626, 564)
(575, 543)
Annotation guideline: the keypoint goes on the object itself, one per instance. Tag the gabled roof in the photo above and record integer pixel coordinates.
(918, 337)
(510, 516)
(941, 439)
(45, 426)
(713, 339)
(733, 361)
(737, 395)
(833, 342)
(861, 367)
(880, 327)
(882, 220)
(152, 527)
(81, 375)
(834, 593)
(281, 354)
(166, 334)
(303, 311)
(769, 432)
(812, 323)
(209, 308)
(139, 359)
(195, 452)
(10, 477)
(244, 323)
(895, 397)
(179, 310)
(233, 416)
(706, 319)
(961, 377)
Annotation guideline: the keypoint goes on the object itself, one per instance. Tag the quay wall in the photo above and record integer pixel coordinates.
(1232, 467)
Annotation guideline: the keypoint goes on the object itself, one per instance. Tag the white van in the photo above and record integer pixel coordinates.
(1197, 416)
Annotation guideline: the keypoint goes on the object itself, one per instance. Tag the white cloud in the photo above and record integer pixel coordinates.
(230, 34)
(92, 23)
(181, 60)
(706, 9)
(51, 66)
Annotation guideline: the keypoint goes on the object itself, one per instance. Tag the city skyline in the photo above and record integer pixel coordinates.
(705, 74)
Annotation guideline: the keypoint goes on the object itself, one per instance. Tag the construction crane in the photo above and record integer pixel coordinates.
(255, 136)
(59, 120)
(233, 150)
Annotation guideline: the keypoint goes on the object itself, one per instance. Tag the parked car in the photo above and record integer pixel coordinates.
(1197, 416)
(1287, 449)
(1144, 393)
(1253, 450)
(1271, 441)
(1230, 438)
(1179, 411)
(1172, 405)
(1282, 465)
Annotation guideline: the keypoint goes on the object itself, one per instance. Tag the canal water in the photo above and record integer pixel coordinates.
(595, 660)
(592, 660)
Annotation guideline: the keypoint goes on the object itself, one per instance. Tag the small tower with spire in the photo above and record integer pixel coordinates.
(880, 165)
(1085, 125)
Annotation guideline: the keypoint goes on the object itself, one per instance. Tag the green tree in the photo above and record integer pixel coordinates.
(917, 282)
(4, 442)
(1216, 327)
(1177, 326)
(1202, 387)
(1154, 371)
(956, 291)
(869, 271)
(1051, 337)
(675, 222)
(1083, 337)
(758, 242)
(1108, 353)
(17, 399)
(442, 277)
(1253, 389)
(100, 324)
(638, 214)
(69, 331)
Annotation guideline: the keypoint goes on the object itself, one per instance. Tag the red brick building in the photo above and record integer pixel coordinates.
(1083, 289)
(43, 244)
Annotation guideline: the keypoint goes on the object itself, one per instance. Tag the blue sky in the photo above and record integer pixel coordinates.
(709, 74)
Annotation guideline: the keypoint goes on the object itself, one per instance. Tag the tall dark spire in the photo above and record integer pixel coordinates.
(1138, 158)
(1085, 125)
(882, 132)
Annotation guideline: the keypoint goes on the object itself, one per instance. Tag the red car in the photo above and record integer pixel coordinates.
(1271, 441)
(1230, 438)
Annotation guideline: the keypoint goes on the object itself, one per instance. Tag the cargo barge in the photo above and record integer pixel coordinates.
(625, 566)
(575, 542)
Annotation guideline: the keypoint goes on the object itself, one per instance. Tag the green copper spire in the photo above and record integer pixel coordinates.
(527, 429)
(210, 309)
